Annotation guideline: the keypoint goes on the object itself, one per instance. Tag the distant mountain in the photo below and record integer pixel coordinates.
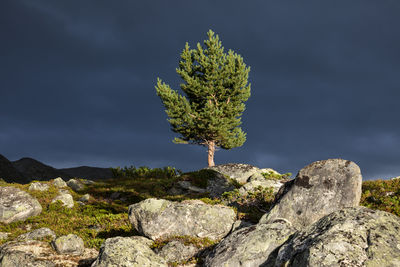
(26, 170)
(9, 173)
(35, 170)
(93, 173)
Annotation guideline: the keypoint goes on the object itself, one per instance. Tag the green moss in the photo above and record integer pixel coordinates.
(276, 176)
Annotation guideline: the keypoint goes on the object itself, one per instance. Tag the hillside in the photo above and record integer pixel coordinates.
(93, 173)
(26, 170)
(103, 213)
(36, 170)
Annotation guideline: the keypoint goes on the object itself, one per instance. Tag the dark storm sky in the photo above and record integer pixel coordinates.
(77, 81)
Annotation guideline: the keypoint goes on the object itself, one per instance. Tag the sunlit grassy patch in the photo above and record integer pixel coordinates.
(382, 195)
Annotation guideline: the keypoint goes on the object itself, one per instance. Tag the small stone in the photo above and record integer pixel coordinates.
(59, 182)
(87, 181)
(85, 198)
(176, 251)
(66, 199)
(39, 186)
(115, 195)
(3, 235)
(37, 234)
(69, 244)
(75, 185)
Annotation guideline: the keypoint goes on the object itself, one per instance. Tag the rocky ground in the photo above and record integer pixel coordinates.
(228, 215)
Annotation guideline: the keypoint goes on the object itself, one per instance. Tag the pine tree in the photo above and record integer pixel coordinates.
(216, 87)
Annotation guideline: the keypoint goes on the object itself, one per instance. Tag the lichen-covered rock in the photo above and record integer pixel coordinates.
(17, 205)
(59, 182)
(155, 218)
(176, 251)
(69, 244)
(249, 246)
(75, 185)
(31, 253)
(65, 198)
(27, 254)
(239, 224)
(318, 189)
(38, 234)
(355, 236)
(236, 171)
(128, 252)
(38, 186)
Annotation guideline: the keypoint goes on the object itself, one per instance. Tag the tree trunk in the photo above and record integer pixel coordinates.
(211, 151)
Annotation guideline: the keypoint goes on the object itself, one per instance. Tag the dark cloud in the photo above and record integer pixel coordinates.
(77, 81)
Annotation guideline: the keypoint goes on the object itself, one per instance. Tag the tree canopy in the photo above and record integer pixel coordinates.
(215, 87)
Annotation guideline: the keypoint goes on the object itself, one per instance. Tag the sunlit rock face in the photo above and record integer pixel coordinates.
(318, 189)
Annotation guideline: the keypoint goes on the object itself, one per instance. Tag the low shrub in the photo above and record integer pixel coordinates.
(145, 172)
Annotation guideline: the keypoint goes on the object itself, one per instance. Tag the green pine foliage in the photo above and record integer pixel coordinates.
(215, 87)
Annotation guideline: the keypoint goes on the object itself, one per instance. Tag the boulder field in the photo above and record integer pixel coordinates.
(315, 220)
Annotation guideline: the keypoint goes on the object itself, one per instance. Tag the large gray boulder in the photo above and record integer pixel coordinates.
(249, 246)
(236, 171)
(17, 205)
(355, 236)
(128, 252)
(318, 189)
(155, 218)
